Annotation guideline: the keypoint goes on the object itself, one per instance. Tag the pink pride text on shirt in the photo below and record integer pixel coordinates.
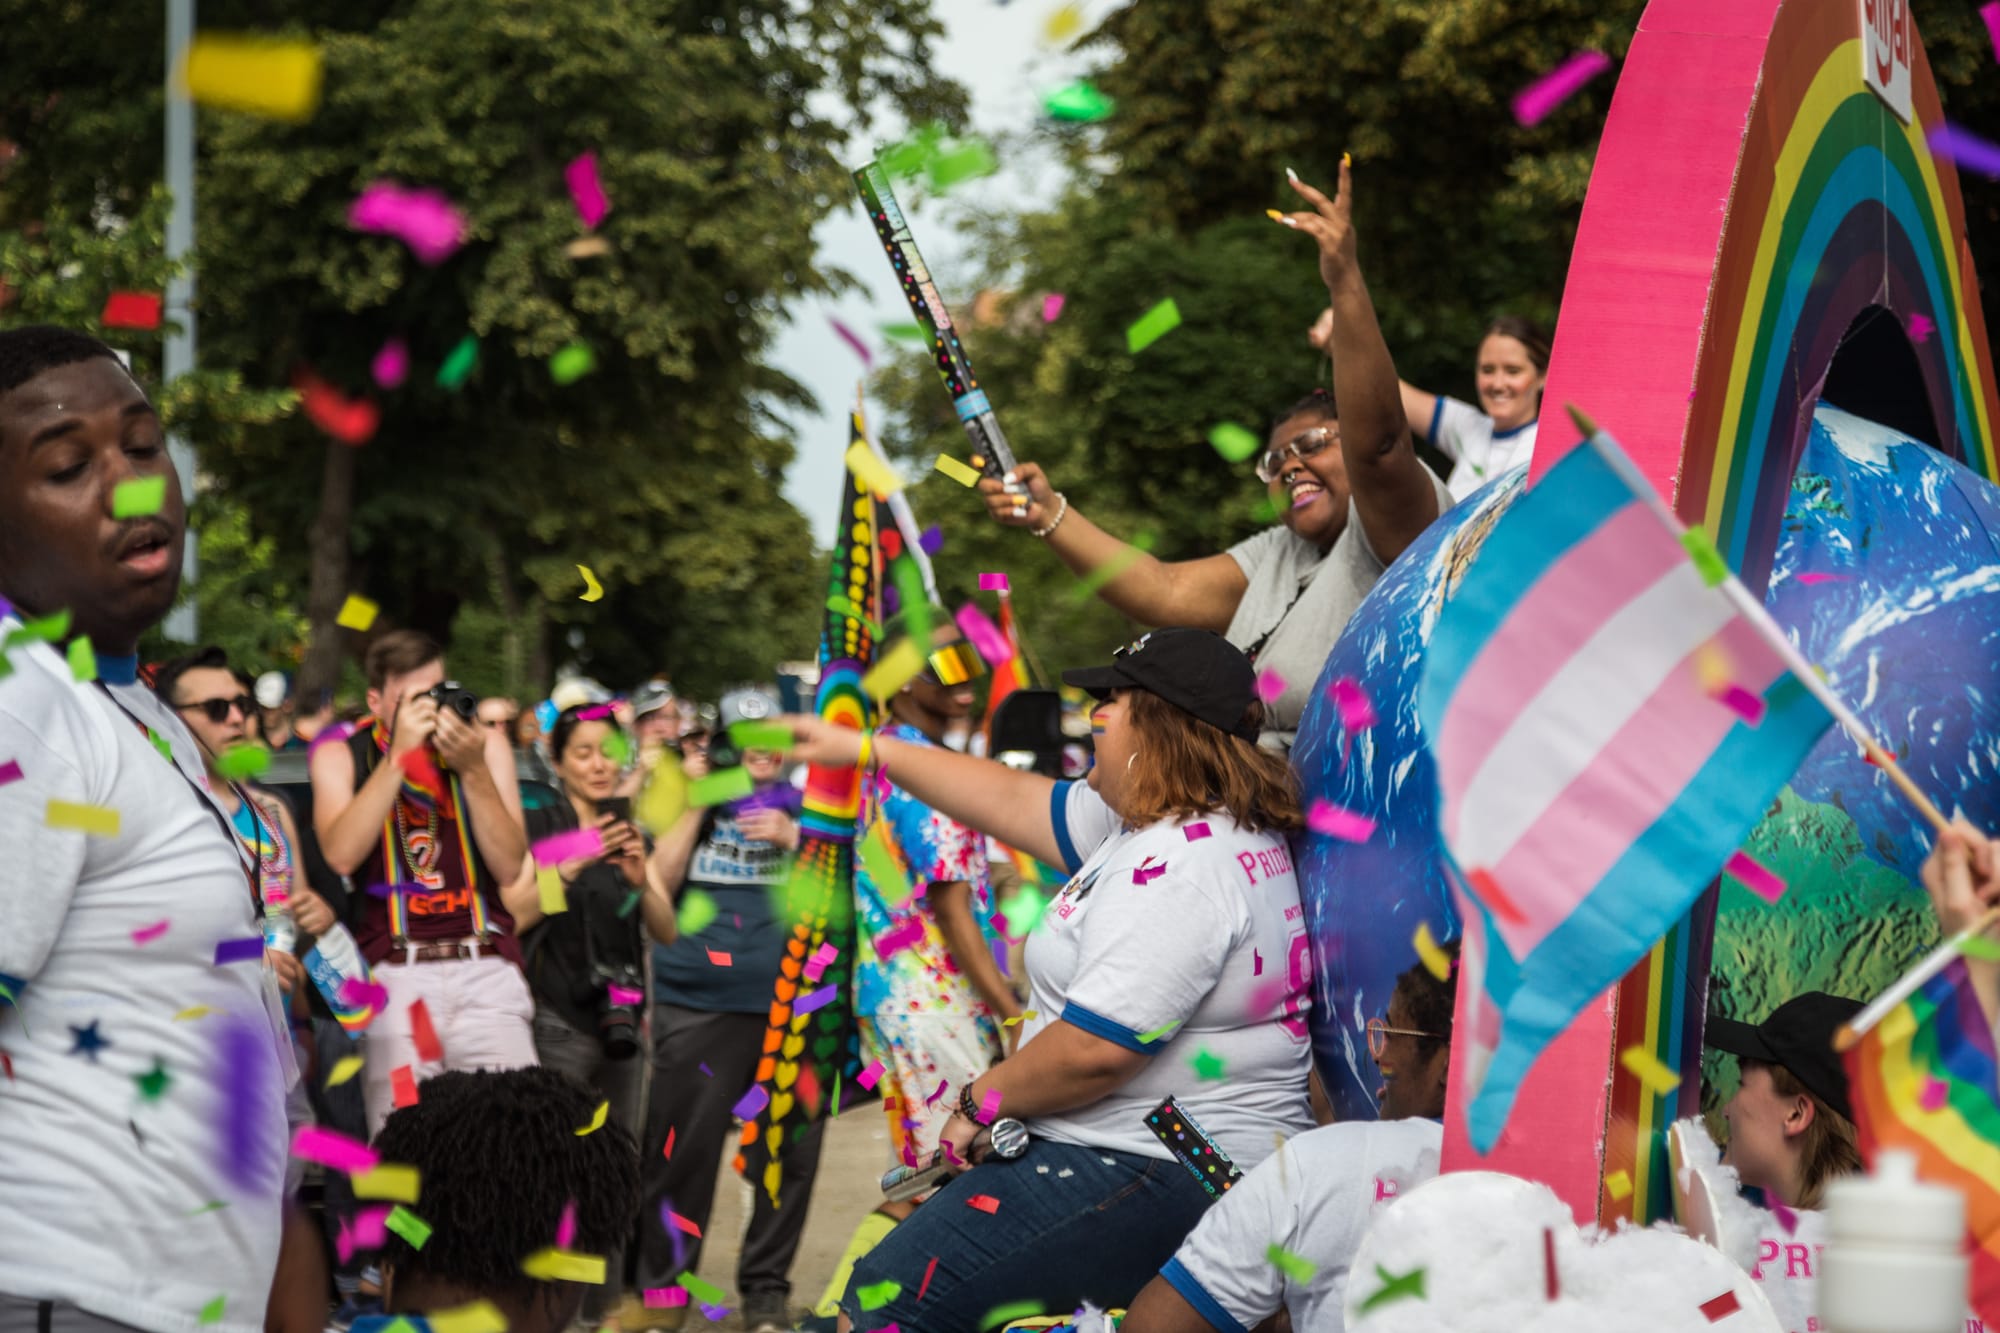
(1273, 861)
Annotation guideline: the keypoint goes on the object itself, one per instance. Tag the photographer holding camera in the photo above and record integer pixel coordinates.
(418, 806)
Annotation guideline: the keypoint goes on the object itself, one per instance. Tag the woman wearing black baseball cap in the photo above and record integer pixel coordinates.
(1174, 963)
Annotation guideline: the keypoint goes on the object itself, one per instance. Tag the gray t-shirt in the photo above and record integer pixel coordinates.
(1302, 599)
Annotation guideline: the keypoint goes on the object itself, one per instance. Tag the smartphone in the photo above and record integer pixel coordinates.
(618, 807)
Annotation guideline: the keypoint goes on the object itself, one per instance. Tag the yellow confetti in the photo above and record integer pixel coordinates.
(265, 78)
(345, 1068)
(893, 670)
(1020, 1018)
(1713, 669)
(390, 1180)
(474, 1317)
(357, 613)
(877, 475)
(1643, 1065)
(194, 1012)
(548, 883)
(596, 1120)
(553, 1265)
(1618, 1184)
(1063, 25)
(96, 820)
(957, 471)
(1435, 960)
(592, 590)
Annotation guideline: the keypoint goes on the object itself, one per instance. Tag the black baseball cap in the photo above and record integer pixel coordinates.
(1196, 670)
(1798, 1035)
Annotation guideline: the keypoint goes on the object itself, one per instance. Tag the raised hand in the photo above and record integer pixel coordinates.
(1025, 499)
(1331, 225)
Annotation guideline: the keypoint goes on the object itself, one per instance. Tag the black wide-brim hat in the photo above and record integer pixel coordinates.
(1196, 670)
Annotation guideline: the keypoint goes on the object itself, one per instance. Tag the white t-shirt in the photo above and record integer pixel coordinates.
(1209, 958)
(1466, 435)
(106, 1188)
(1314, 1198)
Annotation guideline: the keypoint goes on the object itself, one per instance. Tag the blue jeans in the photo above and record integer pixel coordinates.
(1073, 1224)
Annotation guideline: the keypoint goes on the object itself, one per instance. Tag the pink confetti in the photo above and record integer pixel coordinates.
(1334, 822)
(1754, 877)
(819, 999)
(1052, 305)
(853, 340)
(989, 1107)
(1560, 84)
(683, 1223)
(932, 1100)
(1196, 832)
(310, 1143)
(868, 1077)
(425, 220)
(571, 846)
(370, 1231)
(993, 583)
(10, 772)
(147, 934)
(902, 937)
(1146, 871)
(1748, 706)
(566, 1226)
(1270, 685)
(985, 1203)
(1829, 578)
(586, 190)
(664, 1298)
(392, 364)
(1936, 1093)
(822, 959)
(984, 635)
(1921, 327)
(751, 1103)
(1357, 713)
(719, 958)
(624, 995)
(1787, 1219)
(1991, 13)
(364, 994)
(1257, 963)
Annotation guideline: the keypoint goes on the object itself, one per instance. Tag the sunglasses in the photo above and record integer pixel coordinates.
(1301, 447)
(1379, 1033)
(217, 710)
(954, 664)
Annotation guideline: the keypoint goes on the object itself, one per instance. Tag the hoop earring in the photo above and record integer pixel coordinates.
(1130, 759)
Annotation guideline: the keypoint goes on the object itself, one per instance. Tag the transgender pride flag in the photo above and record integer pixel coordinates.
(1610, 712)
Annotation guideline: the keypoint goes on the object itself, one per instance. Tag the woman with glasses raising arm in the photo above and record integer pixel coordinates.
(1346, 512)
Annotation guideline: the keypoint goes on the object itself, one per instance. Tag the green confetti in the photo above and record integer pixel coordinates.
(247, 760)
(1152, 326)
(48, 629)
(1080, 102)
(82, 661)
(1978, 946)
(841, 606)
(878, 1294)
(904, 333)
(750, 735)
(212, 1312)
(967, 160)
(700, 1290)
(631, 901)
(1207, 1066)
(1411, 1284)
(697, 909)
(916, 603)
(458, 366)
(409, 1226)
(140, 497)
(731, 784)
(1113, 567)
(1291, 1265)
(572, 363)
(1002, 1315)
(162, 744)
(1234, 442)
(1265, 510)
(618, 747)
(1714, 569)
(1158, 1034)
(891, 881)
(909, 157)
(212, 1206)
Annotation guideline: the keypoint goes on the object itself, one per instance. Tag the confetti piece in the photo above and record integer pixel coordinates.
(967, 159)
(554, 1265)
(993, 583)
(893, 670)
(1643, 1065)
(729, 784)
(1966, 149)
(1721, 1307)
(409, 1226)
(391, 365)
(1357, 712)
(1146, 871)
(473, 1317)
(1147, 1039)
(1701, 550)
(1086, 586)
(1294, 1267)
(212, 1312)
(1618, 1184)
(697, 911)
(751, 1103)
(47, 629)
(1921, 327)
(1020, 1018)
(345, 1068)
(818, 999)
(572, 362)
(985, 1203)
(664, 1298)
(901, 937)
(1436, 961)
(823, 958)
(1052, 307)
(1257, 960)
(984, 635)
(131, 310)
(932, 1100)
(312, 1143)
(96, 820)
(853, 340)
(1991, 13)
(700, 1290)
(394, 1181)
(1410, 1285)
(1270, 685)
(719, 958)
(459, 364)
(239, 951)
(1748, 706)
(929, 1268)
(566, 1226)
(1787, 1219)
(1550, 1286)
(10, 772)
(1560, 84)
(868, 1077)
(139, 497)
(243, 761)
(1233, 442)
(1062, 25)
(147, 934)
(194, 1012)
(572, 845)
(1757, 878)
(906, 333)
(276, 79)
(956, 470)
(586, 190)
(425, 220)
(1935, 1095)
(1079, 102)
(1152, 326)
(352, 421)
(877, 475)
(357, 613)
(82, 660)
(878, 1294)
(1828, 578)
(1334, 822)
(423, 1033)
(676, 1220)
(1978, 946)
(1208, 1067)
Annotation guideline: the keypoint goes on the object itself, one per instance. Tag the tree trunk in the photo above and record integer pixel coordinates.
(326, 590)
(538, 649)
(509, 602)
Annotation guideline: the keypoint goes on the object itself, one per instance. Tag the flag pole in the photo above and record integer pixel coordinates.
(1935, 962)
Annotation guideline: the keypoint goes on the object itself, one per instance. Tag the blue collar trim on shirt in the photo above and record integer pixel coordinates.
(118, 670)
(390, 1323)
(1499, 435)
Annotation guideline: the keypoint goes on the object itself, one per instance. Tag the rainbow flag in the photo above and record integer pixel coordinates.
(1610, 713)
(1925, 1079)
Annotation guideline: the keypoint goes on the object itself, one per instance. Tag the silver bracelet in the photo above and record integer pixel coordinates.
(1062, 509)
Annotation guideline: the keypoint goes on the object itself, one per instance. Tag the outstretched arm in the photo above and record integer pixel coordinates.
(1962, 875)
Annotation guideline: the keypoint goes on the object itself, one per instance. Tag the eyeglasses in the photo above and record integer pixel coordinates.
(1301, 447)
(1379, 1033)
(954, 664)
(501, 722)
(217, 710)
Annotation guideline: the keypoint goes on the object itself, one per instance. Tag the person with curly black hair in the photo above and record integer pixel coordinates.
(506, 1162)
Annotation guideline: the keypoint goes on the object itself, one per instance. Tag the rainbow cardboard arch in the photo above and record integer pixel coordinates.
(1763, 193)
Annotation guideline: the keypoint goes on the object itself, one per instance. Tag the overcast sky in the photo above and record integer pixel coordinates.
(999, 53)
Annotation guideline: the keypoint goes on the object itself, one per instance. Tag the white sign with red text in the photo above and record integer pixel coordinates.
(1888, 49)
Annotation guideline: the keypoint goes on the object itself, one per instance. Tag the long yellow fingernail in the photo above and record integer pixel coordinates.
(1274, 215)
(1347, 159)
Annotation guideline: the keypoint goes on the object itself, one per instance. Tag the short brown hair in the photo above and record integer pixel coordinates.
(398, 653)
(1830, 1149)
(1187, 767)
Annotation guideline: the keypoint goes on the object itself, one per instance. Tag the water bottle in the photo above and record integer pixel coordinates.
(1895, 1253)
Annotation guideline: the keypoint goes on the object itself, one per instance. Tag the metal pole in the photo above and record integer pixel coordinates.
(179, 351)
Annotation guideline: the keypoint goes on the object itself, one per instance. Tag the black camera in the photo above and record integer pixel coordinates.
(620, 991)
(454, 696)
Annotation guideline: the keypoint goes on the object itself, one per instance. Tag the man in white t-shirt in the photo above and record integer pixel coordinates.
(143, 1059)
(1286, 1235)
